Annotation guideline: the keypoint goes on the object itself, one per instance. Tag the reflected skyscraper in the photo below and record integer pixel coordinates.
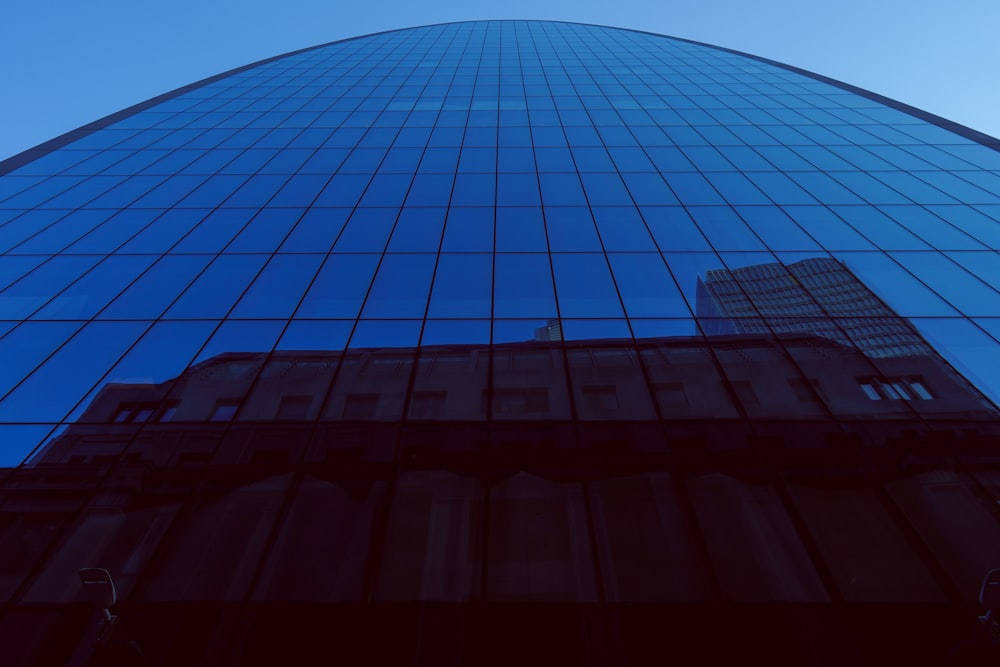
(499, 342)
(818, 295)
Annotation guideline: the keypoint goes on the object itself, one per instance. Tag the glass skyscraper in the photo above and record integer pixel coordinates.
(501, 342)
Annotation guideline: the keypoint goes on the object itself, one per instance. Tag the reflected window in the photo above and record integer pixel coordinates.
(870, 391)
(919, 389)
(911, 388)
(134, 413)
(224, 410)
(168, 411)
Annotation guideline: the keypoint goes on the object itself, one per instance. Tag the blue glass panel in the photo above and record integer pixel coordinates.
(478, 160)
(35, 289)
(646, 286)
(724, 229)
(520, 229)
(456, 332)
(84, 298)
(517, 190)
(622, 228)
(468, 230)
(430, 190)
(973, 222)
(20, 441)
(879, 228)
(906, 295)
(110, 235)
(522, 286)
(474, 190)
(48, 394)
(868, 188)
(343, 190)
(592, 159)
(462, 287)
(589, 329)
(649, 189)
(62, 233)
(367, 230)
(324, 161)
(913, 188)
(775, 229)
(515, 160)
(25, 226)
(265, 231)
(156, 289)
(387, 190)
(780, 188)
(417, 230)
(32, 191)
(215, 291)
(242, 337)
(28, 346)
(673, 228)
(439, 160)
(278, 288)
(961, 289)
(169, 192)
(163, 352)
(212, 192)
(562, 190)
(163, 233)
(316, 231)
(300, 190)
(315, 335)
(983, 265)
(931, 228)
(554, 159)
(401, 287)
(831, 232)
(571, 230)
(974, 354)
(606, 190)
(386, 333)
(584, 286)
(13, 268)
(340, 287)
(215, 232)
(824, 188)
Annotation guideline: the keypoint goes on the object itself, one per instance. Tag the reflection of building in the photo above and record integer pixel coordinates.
(385, 352)
(819, 296)
(551, 331)
(679, 378)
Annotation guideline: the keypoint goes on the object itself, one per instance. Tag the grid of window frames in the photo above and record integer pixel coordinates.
(447, 232)
(469, 183)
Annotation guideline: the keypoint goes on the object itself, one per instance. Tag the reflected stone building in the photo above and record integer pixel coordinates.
(501, 342)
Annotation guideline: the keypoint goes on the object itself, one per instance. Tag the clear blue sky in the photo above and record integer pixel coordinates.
(64, 63)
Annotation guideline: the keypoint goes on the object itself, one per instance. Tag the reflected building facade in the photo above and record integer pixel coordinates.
(501, 341)
(818, 295)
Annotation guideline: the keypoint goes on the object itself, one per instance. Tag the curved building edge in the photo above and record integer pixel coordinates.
(46, 147)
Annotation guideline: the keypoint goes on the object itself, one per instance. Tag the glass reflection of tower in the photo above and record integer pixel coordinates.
(819, 296)
(403, 337)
